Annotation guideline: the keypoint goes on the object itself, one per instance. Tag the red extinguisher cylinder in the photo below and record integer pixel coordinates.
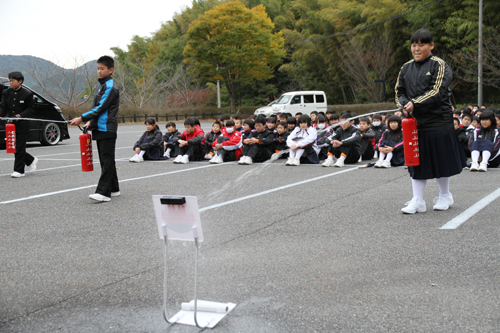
(86, 152)
(410, 142)
(10, 136)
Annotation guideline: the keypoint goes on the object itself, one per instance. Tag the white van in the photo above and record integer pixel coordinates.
(301, 101)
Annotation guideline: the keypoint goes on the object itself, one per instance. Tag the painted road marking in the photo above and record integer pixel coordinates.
(471, 211)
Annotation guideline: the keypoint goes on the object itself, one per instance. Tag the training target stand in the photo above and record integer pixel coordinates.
(178, 218)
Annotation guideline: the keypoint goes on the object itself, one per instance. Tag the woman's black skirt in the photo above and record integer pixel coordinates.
(441, 155)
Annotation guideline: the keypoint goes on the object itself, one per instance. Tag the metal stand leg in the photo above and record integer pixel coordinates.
(196, 283)
(165, 286)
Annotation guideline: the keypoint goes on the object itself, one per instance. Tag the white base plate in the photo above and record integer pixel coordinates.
(205, 319)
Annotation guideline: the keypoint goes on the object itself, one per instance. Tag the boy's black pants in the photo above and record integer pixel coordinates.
(195, 152)
(108, 182)
(352, 154)
(257, 152)
(368, 153)
(21, 157)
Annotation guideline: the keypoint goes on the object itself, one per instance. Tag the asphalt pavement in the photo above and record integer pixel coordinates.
(298, 249)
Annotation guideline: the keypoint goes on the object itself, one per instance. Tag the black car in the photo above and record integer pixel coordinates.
(46, 132)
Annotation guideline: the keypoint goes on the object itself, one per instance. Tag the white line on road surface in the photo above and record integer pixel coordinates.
(274, 190)
(121, 181)
(471, 211)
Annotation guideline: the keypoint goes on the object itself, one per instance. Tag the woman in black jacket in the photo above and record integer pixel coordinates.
(150, 145)
(423, 90)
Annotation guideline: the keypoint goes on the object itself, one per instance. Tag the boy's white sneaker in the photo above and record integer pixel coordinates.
(242, 160)
(248, 160)
(133, 158)
(360, 159)
(378, 163)
(385, 164)
(166, 154)
(32, 166)
(16, 174)
(208, 156)
(184, 159)
(375, 155)
(296, 162)
(414, 206)
(340, 162)
(328, 162)
(275, 156)
(443, 202)
(289, 161)
(178, 159)
(99, 197)
(115, 194)
(474, 166)
(483, 167)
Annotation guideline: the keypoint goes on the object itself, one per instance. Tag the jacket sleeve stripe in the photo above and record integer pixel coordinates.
(437, 85)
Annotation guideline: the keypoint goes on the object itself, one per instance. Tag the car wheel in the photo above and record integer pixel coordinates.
(51, 134)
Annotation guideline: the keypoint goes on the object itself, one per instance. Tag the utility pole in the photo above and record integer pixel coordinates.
(480, 57)
(218, 90)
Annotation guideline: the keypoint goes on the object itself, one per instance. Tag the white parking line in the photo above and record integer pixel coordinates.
(274, 190)
(471, 211)
(121, 181)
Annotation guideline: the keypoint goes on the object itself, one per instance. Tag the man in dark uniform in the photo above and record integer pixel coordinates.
(18, 103)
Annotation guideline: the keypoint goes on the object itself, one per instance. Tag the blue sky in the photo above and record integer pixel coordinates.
(62, 30)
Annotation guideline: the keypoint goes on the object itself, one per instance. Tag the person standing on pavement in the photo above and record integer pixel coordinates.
(103, 121)
(18, 103)
(423, 90)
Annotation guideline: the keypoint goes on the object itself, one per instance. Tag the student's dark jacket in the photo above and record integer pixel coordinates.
(171, 137)
(368, 138)
(17, 102)
(280, 138)
(104, 113)
(265, 137)
(462, 136)
(245, 135)
(392, 135)
(378, 130)
(349, 137)
(195, 138)
(211, 136)
(155, 140)
(491, 133)
(427, 84)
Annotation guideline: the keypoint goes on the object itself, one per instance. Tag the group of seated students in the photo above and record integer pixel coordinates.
(311, 138)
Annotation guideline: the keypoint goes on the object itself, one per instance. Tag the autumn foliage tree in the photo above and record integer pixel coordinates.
(235, 45)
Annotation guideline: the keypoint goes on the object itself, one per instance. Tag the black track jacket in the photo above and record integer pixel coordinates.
(427, 84)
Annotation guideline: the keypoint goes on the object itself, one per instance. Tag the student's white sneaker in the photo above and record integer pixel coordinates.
(385, 164)
(16, 174)
(483, 167)
(166, 154)
(328, 162)
(242, 160)
(360, 159)
(115, 194)
(340, 162)
(474, 166)
(295, 162)
(99, 197)
(378, 163)
(248, 160)
(178, 159)
(218, 159)
(443, 202)
(32, 166)
(208, 156)
(133, 158)
(375, 155)
(414, 206)
(184, 159)
(275, 156)
(289, 161)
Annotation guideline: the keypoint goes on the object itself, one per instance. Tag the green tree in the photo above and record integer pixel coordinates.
(235, 45)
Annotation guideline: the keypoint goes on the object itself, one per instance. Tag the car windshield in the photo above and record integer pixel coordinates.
(284, 99)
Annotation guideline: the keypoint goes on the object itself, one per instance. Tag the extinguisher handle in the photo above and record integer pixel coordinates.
(84, 129)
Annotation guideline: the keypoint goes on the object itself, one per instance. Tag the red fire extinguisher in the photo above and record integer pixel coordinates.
(86, 150)
(10, 136)
(410, 141)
